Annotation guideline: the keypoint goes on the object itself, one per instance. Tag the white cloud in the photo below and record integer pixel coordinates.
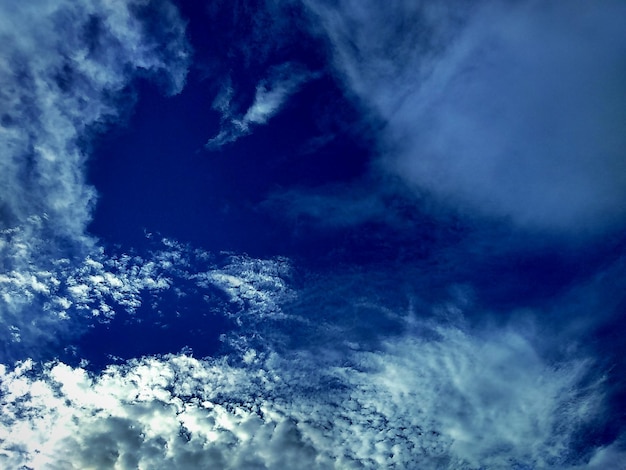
(63, 68)
(271, 95)
(513, 111)
(62, 65)
(256, 287)
(432, 395)
(450, 399)
(612, 456)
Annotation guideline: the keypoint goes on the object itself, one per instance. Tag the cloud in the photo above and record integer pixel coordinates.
(65, 71)
(64, 65)
(271, 95)
(46, 307)
(332, 372)
(456, 400)
(512, 111)
(73, 296)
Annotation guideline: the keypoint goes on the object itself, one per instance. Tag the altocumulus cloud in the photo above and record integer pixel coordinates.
(64, 69)
(438, 394)
(306, 379)
(456, 401)
(510, 109)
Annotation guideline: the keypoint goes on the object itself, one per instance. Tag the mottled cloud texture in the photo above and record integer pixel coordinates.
(508, 109)
(435, 394)
(65, 68)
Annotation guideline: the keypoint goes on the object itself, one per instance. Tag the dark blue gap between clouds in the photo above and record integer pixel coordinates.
(164, 323)
(155, 175)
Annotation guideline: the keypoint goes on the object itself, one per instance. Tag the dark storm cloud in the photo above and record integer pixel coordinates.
(513, 110)
(65, 68)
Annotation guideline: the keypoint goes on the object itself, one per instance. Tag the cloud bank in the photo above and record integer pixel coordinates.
(434, 394)
(452, 401)
(512, 110)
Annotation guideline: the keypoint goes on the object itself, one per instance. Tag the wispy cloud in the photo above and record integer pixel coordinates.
(453, 401)
(271, 95)
(512, 111)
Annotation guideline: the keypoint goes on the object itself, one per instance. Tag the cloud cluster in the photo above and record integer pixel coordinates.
(510, 110)
(42, 306)
(70, 295)
(65, 71)
(301, 379)
(453, 399)
(64, 68)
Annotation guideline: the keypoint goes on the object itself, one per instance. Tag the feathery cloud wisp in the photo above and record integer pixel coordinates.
(271, 95)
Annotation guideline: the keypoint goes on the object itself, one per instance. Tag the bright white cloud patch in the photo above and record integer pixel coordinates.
(453, 401)
(271, 94)
(513, 110)
(68, 295)
(434, 395)
(64, 67)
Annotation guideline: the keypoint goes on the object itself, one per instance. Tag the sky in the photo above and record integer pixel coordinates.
(325, 234)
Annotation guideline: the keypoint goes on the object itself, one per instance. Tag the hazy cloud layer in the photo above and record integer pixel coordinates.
(511, 110)
(65, 68)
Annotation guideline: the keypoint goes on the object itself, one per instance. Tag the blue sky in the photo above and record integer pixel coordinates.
(312, 234)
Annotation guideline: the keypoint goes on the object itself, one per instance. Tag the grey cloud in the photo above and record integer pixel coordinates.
(513, 110)
(329, 207)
